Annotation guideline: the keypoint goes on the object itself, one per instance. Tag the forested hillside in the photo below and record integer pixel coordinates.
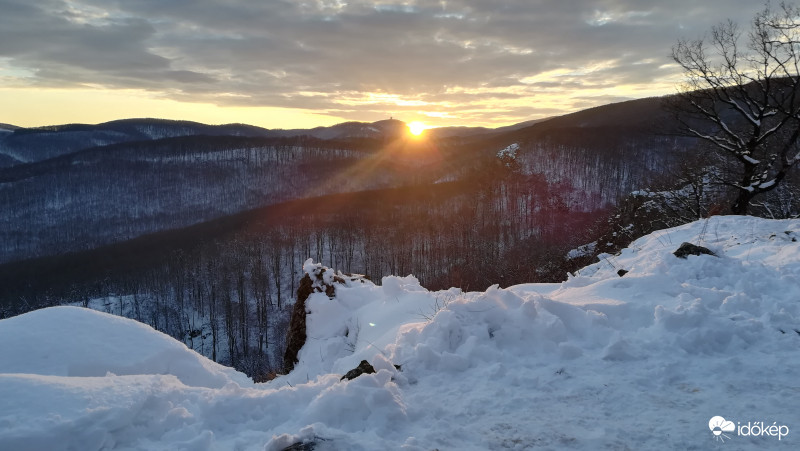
(113, 193)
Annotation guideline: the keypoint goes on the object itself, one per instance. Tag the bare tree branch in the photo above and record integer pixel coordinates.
(744, 100)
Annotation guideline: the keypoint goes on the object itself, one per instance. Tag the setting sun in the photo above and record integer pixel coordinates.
(416, 128)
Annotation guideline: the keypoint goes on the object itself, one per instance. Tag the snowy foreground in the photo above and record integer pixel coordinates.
(644, 361)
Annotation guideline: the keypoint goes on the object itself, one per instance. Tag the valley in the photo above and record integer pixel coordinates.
(204, 229)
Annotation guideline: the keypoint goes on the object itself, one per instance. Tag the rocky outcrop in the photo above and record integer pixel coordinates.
(317, 279)
(297, 324)
(687, 249)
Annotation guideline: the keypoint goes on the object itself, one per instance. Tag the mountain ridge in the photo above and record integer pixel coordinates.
(234, 168)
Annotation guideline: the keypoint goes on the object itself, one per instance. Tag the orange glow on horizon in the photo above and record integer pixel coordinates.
(416, 128)
(32, 107)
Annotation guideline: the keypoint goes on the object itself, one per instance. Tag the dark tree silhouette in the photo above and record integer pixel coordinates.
(742, 97)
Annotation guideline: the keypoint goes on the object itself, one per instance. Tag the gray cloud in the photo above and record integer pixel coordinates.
(476, 60)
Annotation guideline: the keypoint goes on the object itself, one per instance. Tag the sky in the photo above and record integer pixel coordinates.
(300, 64)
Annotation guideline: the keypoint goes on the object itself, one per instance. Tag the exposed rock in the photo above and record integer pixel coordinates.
(297, 324)
(310, 445)
(687, 249)
(363, 368)
(622, 272)
(318, 279)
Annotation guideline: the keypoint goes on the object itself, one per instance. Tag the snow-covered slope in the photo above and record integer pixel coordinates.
(77, 342)
(648, 360)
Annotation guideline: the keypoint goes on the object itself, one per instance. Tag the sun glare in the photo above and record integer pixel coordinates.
(416, 128)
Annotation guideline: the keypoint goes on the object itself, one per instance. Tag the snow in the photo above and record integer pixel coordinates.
(54, 342)
(750, 159)
(582, 251)
(651, 360)
(509, 152)
(767, 185)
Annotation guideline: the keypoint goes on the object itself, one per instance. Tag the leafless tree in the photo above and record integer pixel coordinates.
(742, 96)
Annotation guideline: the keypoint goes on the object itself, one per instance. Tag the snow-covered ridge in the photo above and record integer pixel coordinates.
(601, 361)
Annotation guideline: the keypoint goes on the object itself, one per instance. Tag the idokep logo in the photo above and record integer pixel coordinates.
(719, 426)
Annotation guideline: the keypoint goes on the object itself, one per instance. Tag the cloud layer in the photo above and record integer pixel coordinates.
(455, 61)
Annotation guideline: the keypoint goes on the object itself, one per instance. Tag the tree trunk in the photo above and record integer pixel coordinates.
(742, 202)
(744, 196)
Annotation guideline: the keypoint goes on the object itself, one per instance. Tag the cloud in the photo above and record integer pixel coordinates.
(463, 59)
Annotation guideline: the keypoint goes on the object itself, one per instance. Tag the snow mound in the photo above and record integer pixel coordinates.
(600, 361)
(79, 342)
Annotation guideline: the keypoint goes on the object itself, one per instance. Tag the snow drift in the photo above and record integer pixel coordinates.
(642, 361)
(77, 342)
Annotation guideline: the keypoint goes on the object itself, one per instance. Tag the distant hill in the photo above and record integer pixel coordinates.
(27, 145)
(4, 127)
(462, 131)
(602, 128)
(379, 129)
(41, 143)
(151, 128)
